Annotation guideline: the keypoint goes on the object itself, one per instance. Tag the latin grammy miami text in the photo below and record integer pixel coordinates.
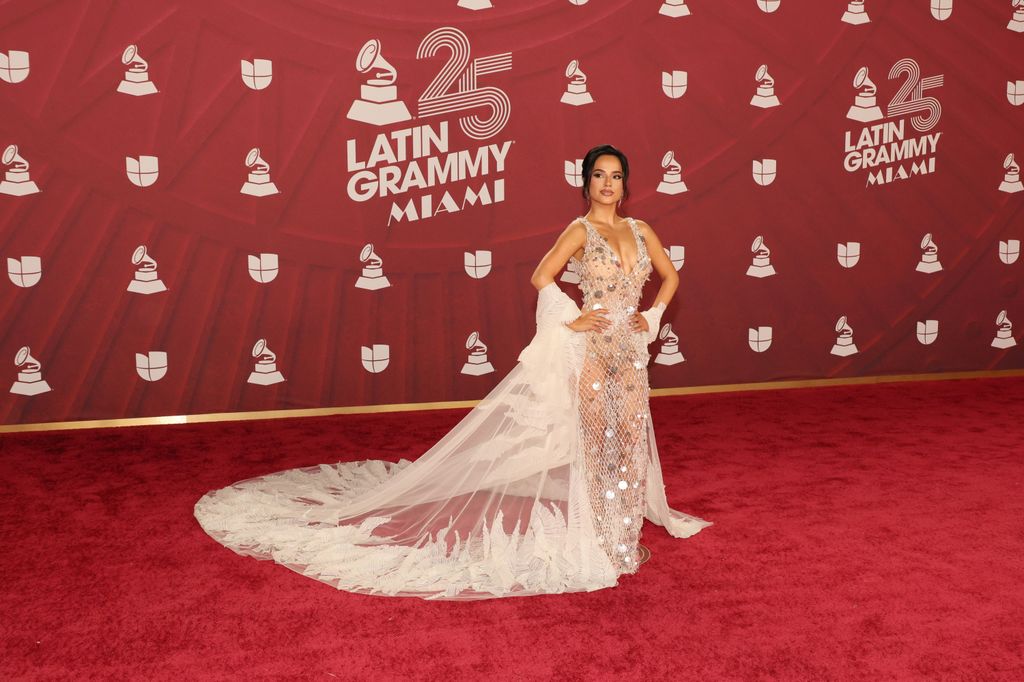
(416, 166)
(883, 149)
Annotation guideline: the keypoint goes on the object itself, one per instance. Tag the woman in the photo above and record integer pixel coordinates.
(542, 488)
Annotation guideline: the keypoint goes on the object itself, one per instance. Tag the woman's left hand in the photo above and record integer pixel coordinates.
(638, 323)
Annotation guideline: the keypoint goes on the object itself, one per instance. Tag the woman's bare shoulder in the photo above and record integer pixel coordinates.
(575, 229)
(644, 228)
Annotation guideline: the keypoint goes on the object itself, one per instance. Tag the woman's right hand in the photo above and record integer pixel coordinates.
(592, 320)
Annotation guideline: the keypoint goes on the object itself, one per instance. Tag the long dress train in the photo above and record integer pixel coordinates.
(541, 488)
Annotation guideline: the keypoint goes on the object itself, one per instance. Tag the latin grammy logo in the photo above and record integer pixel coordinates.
(257, 74)
(759, 339)
(30, 376)
(942, 9)
(1011, 178)
(475, 4)
(676, 254)
(673, 83)
(927, 332)
(25, 271)
(856, 13)
(764, 171)
(372, 277)
(263, 267)
(668, 353)
(1015, 92)
(761, 266)
(674, 9)
(765, 95)
(844, 344)
(151, 366)
(376, 357)
(768, 6)
(142, 171)
(848, 254)
(477, 263)
(929, 255)
(865, 106)
(265, 372)
(1017, 19)
(576, 90)
(16, 182)
(378, 103)
(146, 280)
(14, 66)
(259, 183)
(136, 79)
(672, 178)
(1004, 332)
(574, 173)
(477, 363)
(571, 274)
(1009, 251)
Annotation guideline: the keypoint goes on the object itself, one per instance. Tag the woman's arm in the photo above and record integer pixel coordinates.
(649, 320)
(661, 264)
(569, 242)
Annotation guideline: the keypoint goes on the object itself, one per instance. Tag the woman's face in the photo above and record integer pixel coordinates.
(606, 184)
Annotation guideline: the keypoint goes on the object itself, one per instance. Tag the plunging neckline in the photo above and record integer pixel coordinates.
(616, 253)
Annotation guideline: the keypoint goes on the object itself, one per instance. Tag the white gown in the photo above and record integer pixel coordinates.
(542, 488)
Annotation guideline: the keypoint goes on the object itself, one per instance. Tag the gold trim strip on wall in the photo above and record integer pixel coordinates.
(456, 404)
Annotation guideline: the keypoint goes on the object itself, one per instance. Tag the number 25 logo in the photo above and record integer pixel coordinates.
(910, 99)
(444, 96)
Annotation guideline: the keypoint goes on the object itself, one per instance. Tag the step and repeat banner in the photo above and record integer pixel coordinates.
(264, 204)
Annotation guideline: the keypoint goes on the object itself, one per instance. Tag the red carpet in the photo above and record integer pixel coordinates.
(862, 533)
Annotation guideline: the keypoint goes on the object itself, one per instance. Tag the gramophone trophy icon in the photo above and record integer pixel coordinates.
(259, 183)
(571, 275)
(761, 266)
(265, 372)
(1017, 20)
(1011, 178)
(674, 9)
(1004, 332)
(475, 4)
(30, 377)
(136, 79)
(765, 95)
(477, 363)
(146, 280)
(378, 103)
(576, 90)
(844, 344)
(672, 178)
(929, 255)
(16, 182)
(669, 353)
(372, 277)
(865, 106)
(855, 13)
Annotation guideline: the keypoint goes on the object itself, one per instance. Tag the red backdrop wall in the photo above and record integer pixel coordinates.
(75, 129)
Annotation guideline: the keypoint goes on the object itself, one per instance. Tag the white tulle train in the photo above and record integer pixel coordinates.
(498, 507)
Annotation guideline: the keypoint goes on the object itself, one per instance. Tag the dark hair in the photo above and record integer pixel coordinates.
(588, 168)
